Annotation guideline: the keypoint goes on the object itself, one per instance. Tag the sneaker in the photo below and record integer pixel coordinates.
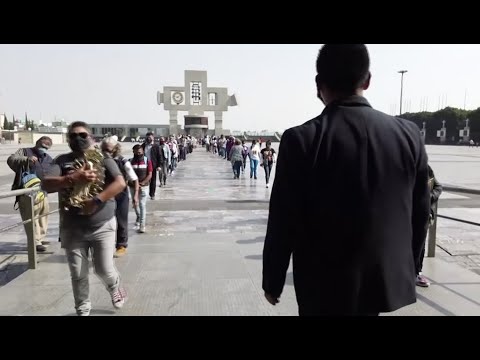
(142, 229)
(137, 226)
(83, 312)
(41, 248)
(422, 281)
(268, 186)
(121, 251)
(118, 298)
(152, 197)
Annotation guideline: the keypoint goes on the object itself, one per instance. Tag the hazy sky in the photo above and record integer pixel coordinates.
(274, 84)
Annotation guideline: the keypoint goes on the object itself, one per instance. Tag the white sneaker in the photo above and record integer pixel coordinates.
(118, 298)
(83, 312)
(268, 186)
(137, 226)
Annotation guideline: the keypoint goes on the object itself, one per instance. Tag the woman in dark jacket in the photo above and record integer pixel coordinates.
(435, 192)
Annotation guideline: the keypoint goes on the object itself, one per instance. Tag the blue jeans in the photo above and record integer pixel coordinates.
(267, 166)
(253, 168)
(141, 209)
(173, 166)
(237, 165)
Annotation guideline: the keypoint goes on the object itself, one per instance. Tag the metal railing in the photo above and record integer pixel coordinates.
(31, 240)
(432, 231)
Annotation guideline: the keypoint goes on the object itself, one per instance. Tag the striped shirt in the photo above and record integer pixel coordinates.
(142, 167)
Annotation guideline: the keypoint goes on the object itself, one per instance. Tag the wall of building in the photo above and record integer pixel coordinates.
(30, 137)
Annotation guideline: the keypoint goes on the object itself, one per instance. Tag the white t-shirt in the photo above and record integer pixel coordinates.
(255, 152)
(131, 175)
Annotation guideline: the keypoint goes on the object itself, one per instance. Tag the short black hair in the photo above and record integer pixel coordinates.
(136, 147)
(77, 124)
(343, 67)
(149, 133)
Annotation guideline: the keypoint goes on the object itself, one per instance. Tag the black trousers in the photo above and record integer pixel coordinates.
(267, 166)
(419, 261)
(153, 182)
(121, 213)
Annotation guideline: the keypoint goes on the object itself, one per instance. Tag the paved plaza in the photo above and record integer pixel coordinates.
(202, 253)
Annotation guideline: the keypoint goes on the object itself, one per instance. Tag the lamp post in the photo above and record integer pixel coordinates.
(401, 89)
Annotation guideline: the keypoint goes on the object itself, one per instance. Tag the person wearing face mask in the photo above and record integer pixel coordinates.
(91, 229)
(164, 161)
(152, 152)
(35, 161)
(143, 169)
(111, 148)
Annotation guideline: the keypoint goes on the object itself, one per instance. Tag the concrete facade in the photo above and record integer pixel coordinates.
(196, 98)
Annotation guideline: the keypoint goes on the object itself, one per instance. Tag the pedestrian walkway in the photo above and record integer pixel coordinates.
(202, 255)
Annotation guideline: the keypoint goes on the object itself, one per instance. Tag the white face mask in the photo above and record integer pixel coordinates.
(42, 150)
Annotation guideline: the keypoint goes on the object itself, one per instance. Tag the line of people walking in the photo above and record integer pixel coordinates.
(238, 152)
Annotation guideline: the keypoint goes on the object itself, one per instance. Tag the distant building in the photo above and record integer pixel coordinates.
(130, 131)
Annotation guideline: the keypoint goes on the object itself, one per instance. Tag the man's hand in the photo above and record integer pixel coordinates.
(83, 175)
(271, 299)
(89, 207)
(33, 160)
(135, 201)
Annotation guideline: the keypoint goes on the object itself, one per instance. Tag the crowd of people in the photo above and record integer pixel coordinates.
(100, 225)
(238, 152)
(355, 219)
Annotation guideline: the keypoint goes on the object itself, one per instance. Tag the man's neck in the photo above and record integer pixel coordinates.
(335, 97)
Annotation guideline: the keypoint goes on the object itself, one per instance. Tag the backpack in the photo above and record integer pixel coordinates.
(121, 161)
(28, 180)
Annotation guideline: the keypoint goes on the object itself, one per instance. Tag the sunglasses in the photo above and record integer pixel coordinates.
(83, 135)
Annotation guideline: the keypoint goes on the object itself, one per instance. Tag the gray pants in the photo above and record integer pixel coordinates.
(163, 173)
(101, 242)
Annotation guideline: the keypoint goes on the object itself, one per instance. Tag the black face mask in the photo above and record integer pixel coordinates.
(79, 144)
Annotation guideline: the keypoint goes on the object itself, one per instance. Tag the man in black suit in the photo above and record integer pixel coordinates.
(354, 215)
(152, 152)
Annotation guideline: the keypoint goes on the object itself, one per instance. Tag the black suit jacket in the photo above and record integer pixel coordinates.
(350, 201)
(155, 155)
